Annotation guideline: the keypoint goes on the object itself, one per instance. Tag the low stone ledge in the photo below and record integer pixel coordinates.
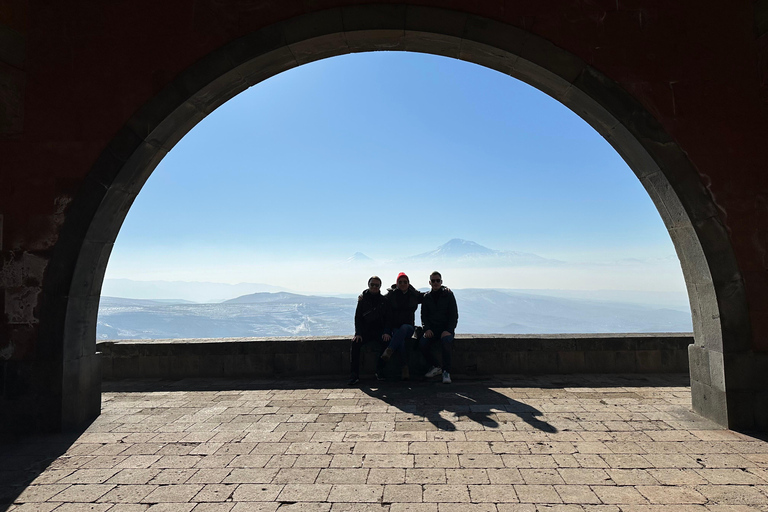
(473, 356)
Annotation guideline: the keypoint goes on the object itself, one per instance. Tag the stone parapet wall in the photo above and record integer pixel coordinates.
(473, 356)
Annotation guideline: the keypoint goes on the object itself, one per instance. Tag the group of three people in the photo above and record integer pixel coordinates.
(389, 320)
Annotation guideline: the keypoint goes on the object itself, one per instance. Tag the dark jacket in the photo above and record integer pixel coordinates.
(402, 306)
(439, 311)
(371, 313)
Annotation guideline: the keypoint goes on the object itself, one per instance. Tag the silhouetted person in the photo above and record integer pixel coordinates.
(439, 316)
(370, 327)
(402, 301)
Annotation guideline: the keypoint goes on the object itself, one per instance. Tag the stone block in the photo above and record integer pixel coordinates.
(307, 363)
(80, 336)
(267, 65)
(184, 366)
(707, 318)
(709, 402)
(665, 199)
(571, 361)
(542, 362)
(152, 366)
(432, 44)
(220, 91)
(285, 364)
(515, 362)
(717, 370)
(319, 48)
(541, 78)
(106, 368)
(649, 361)
(81, 391)
(475, 355)
(169, 130)
(566, 66)
(590, 111)
(256, 365)
(488, 56)
(596, 361)
(625, 361)
(375, 40)
(632, 150)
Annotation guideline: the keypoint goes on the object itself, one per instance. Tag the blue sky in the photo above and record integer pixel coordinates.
(392, 154)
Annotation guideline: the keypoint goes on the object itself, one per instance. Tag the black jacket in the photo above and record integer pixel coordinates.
(371, 313)
(439, 311)
(402, 306)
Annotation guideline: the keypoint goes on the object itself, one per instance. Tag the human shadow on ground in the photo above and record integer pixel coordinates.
(443, 405)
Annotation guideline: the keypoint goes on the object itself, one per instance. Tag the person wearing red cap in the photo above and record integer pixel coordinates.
(403, 299)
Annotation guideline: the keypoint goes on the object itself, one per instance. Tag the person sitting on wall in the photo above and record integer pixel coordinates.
(370, 326)
(439, 317)
(402, 299)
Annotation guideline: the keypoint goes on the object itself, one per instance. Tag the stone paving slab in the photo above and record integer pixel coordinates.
(598, 443)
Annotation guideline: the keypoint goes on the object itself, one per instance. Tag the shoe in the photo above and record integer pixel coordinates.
(406, 373)
(379, 376)
(387, 354)
(446, 378)
(434, 372)
(353, 380)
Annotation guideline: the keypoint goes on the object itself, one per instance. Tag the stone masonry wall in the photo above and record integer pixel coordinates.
(473, 356)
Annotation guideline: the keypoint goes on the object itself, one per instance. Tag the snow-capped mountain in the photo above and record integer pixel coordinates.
(460, 251)
(359, 257)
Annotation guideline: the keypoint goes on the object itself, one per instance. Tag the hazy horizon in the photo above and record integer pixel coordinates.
(392, 155)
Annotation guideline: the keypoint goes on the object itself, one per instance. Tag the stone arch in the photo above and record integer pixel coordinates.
(73, 281)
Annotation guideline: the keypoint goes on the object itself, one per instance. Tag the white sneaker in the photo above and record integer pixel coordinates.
(446, 378)
(434, 372)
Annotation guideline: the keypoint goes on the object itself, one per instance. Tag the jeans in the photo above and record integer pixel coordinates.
(397, 343)
(354, 352)
(446, 343)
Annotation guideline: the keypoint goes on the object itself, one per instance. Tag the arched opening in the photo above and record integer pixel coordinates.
(372, 163)
(713, 281)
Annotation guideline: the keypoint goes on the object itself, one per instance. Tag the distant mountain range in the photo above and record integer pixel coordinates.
(481, 311)
(189, 290)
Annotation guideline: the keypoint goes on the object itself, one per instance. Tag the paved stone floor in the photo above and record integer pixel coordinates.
(551, 443)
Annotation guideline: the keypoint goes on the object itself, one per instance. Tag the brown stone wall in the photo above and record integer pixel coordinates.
(474, 356)
(73, 74)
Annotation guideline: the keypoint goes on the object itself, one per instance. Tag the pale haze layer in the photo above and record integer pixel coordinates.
(392, 155)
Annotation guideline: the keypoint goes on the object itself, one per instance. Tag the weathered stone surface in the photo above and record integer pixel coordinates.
(474, 355)
(74, 157)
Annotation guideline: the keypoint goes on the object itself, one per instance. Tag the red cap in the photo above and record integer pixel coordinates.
(402, 274)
